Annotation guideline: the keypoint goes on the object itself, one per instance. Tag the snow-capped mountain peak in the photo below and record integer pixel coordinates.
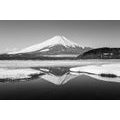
(64, 41)
(57, 40)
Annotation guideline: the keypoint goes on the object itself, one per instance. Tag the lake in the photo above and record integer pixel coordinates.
(55, 81)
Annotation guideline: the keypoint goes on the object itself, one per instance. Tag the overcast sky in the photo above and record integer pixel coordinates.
(15, 35)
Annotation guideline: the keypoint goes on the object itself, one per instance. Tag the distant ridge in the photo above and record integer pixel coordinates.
(101, 53)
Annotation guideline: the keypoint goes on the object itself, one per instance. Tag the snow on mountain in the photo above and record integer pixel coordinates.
(44, 46)
(58, 80)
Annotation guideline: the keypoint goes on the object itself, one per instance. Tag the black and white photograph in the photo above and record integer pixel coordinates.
(59, 60)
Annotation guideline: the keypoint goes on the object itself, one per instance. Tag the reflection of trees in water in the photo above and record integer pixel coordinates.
(58, 71)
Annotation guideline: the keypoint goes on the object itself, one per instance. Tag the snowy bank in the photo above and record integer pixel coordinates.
(17, 73)
(99, 69)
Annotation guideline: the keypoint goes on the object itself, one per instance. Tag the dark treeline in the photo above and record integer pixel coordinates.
(101, 53)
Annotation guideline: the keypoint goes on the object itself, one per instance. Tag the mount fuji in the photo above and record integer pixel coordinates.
(54, 47)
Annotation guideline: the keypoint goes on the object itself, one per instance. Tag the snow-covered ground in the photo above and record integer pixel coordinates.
(113, 68)
(17, 73)
(52, 63)
(97, 77)
(24, 69)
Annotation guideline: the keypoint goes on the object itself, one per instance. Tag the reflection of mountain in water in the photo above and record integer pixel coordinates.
(58, 75)
(58, 80)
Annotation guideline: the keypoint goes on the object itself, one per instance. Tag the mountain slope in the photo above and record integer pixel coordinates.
(54, 48)
(58, 41)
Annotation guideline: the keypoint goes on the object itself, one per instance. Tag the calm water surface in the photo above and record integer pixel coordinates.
(60, 84)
